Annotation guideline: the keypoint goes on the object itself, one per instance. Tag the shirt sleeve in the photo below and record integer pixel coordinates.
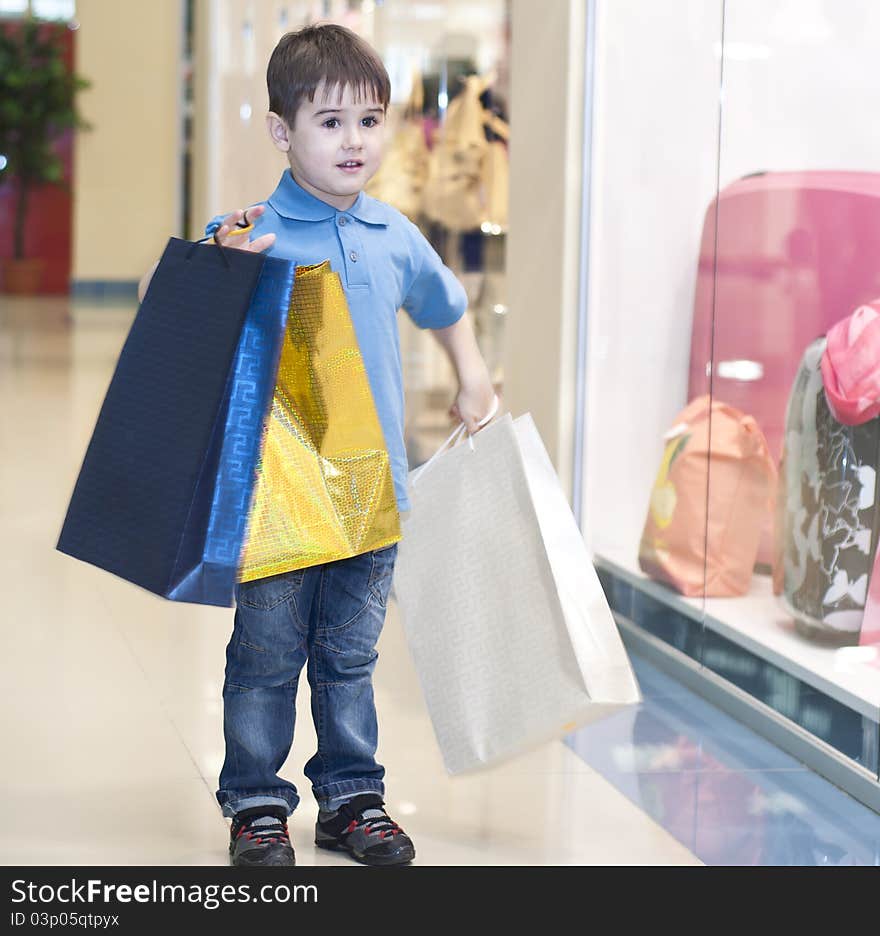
(436, 299)
(214, 224)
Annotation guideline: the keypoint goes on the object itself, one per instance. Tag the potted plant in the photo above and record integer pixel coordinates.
(36, 105)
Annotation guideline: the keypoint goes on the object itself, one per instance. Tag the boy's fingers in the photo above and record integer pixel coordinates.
(262, 243)
(228, 236)
(241, 242)
(235, 218)
(252, 212)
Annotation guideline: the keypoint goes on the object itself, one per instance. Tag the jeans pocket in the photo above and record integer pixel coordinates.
(266, 593)
(269, 648)
(383, 573)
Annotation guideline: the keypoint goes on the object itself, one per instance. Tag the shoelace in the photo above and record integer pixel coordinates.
(271, 833)
(384, 825)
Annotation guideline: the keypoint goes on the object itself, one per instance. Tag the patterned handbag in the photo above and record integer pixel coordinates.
(830, 517)
(851, 376)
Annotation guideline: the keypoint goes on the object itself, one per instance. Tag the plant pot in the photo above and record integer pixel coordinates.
(23, 277)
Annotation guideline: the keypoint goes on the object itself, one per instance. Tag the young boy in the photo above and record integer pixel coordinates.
(328, 97)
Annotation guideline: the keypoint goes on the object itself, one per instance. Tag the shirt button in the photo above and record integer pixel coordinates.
(353, 255)
(342, 219)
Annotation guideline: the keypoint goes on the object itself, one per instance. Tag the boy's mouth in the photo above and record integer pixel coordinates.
(350, 165)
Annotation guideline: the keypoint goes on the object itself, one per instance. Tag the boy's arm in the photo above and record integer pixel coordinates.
(226, 236)
(436, 300)
(475, 391)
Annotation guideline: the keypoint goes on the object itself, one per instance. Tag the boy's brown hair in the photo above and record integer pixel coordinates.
(329, 53)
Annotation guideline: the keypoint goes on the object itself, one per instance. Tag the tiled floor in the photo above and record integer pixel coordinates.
(112, 722)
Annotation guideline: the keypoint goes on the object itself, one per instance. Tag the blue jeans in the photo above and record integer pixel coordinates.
(330, 615)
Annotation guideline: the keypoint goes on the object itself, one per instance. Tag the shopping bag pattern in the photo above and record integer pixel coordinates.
(161, 495)
(509, 630)
(324, 489)
(216, 571)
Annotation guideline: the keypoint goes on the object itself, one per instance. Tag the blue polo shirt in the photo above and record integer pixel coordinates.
(385, 264)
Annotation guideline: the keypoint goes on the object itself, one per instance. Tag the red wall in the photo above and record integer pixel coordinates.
(50, 207)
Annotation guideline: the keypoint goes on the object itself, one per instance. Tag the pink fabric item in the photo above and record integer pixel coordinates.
(851, 366)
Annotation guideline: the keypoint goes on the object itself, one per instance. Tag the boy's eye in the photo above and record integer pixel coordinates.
(369, 121)
(331, 123)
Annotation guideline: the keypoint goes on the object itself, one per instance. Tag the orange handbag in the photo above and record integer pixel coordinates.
(735, 477)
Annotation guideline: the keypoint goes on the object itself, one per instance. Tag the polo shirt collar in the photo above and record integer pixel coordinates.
(291, 200)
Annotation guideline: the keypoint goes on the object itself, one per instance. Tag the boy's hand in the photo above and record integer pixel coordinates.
(227, 235)
(474, 402)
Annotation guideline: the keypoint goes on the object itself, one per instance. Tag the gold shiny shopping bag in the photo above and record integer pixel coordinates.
(324, 487)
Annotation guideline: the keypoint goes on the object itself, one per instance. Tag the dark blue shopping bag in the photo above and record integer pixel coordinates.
(164, 492)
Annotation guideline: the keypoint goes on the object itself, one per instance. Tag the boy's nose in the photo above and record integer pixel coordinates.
(353, 139)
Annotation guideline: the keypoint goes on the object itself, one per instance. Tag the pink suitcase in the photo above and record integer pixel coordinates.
(797, 251)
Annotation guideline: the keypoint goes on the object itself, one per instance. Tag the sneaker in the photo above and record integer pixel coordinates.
(262, 845)
(362, 828)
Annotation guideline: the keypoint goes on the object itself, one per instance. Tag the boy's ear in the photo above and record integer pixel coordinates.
(278, 131)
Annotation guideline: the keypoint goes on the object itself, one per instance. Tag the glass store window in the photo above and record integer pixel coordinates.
(733, 425)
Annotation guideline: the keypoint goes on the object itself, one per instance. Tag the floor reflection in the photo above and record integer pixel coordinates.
(724, 792)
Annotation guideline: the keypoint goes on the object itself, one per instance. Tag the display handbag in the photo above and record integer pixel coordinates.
(401, 179)
(734, 476)
(221, 453)
(467, 177)
(831, 517)
(850, 366)
(507, 624)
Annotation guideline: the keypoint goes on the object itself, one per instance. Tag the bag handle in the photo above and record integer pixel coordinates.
(454, 439)
(242, 227)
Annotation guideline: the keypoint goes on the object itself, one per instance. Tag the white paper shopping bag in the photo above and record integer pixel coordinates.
(507, 624)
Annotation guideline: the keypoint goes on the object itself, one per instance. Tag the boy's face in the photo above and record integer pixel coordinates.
(335, 145)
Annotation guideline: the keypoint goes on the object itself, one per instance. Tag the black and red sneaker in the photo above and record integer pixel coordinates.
(362, 828)
(260, 844)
